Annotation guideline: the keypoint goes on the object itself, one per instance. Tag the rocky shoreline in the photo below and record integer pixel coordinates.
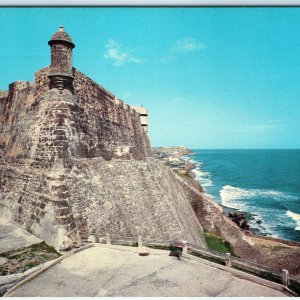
(249, 243)
(172, 157)
(176, 159)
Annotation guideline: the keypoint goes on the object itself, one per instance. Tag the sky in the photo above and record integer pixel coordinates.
(210, 78)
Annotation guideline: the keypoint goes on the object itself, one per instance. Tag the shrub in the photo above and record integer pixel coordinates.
(216, 243)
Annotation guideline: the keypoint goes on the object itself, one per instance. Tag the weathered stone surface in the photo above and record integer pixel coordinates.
(131, 198)
(74, 162)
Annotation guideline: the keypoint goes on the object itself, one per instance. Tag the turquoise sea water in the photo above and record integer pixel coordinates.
(264, 183)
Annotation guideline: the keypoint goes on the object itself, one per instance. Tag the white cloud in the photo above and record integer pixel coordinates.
(119, 56)
(185, 45)
(188, 44)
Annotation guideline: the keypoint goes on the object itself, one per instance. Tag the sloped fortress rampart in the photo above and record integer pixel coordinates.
(76, 161)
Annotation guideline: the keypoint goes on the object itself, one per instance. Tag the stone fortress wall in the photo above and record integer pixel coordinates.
(129, 197)
(15, 117)
(112, 129)
(75, 161)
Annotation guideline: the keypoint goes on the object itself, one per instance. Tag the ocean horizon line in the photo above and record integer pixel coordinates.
(199, 148)
(241, 148)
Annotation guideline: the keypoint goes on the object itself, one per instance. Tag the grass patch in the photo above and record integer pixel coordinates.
(216, 243)
(21, 260)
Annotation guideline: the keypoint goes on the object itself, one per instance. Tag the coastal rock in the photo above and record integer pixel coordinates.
(239, 218)
(213, 219)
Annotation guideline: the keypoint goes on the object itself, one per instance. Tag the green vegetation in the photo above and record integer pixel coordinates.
(216, 243)
(21, 260)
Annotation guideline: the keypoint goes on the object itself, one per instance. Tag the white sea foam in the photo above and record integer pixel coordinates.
(202, 177)
(186, 158)
(229, 196)
(235, 197)
(230, 193)
(232, 196)
(295, 217)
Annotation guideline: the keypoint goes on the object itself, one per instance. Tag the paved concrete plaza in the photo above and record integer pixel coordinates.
(102, 271)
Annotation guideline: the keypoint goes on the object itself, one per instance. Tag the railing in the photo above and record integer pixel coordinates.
(226, 259)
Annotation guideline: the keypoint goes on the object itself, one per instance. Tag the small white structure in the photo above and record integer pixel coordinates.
(174, 159)
(144, 116)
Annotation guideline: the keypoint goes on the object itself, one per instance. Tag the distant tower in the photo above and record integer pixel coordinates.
(60, 74)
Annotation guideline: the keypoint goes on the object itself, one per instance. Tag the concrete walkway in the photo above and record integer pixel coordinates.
(120, 271)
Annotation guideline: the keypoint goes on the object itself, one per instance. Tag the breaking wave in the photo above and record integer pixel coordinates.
(231, 196)
(202, 177)
(295, 217)
(266, 187)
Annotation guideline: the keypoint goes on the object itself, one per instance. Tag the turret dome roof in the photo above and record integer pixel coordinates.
(61, 35)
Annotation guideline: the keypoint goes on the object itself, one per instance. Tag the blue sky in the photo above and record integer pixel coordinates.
(210, 77)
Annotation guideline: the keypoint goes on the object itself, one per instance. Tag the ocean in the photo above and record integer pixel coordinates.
(263, 183)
